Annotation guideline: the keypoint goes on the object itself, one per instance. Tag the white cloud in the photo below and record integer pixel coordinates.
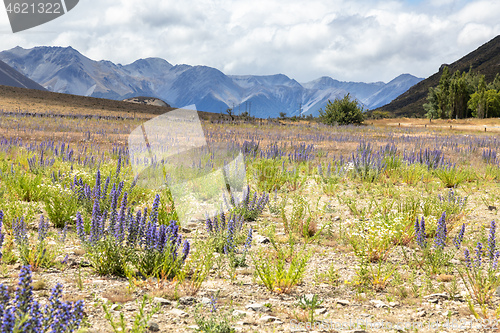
(358, 40)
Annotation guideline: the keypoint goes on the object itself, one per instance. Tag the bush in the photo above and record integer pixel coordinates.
(343, 111)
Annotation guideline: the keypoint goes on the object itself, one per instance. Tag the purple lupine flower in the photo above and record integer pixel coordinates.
(8, 320)
(118, 165)
(208, 224)
(479, 253)
(421, 236)
(495, 260)
(43, 228)
(24, 291)
(468, 261)
(459, 238)
(79, 226)
(120, 224)
(1, 237)
(248, 242)
(213, 303)
(492, 241)
(440, 239)
(20, 232)
(97, 188)
(154, 210)
(185, 250)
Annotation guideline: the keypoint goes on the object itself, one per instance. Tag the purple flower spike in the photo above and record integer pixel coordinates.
(492, 241)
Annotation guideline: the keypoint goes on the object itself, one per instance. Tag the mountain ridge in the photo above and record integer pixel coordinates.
(484, 60)
(66, 70)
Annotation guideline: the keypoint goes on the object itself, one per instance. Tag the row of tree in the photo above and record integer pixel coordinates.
(463, 95)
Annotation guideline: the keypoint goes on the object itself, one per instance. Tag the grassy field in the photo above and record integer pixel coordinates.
(383, 226)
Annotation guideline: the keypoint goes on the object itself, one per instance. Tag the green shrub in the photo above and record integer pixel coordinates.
(343, 111)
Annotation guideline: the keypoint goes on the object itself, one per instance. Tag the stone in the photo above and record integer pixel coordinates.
(343, 302)
(262, 239)
(257, 307)
(320, 311)
(269, 319)
(178, 313)
(162, 301)
(187, 300)
(153, 327)
(239, 313)
(116, 307)
(378, 304)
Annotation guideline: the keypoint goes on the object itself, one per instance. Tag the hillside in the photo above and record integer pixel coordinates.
(484, 60)
(66, 70)
(37, 102)
(10, 77)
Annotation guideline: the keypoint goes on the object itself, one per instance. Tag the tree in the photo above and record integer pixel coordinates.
(342, 111)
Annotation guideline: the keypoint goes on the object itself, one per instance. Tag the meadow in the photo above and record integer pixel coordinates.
(376, 227)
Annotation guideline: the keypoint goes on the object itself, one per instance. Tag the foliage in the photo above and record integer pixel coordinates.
(433, 257)
(36, 254)
(216, 321)
(141, 318)
(250, 207)
(480, 275)
(281, 268)
(24, 314)
(462, 95)
(343, 111)
(120, 239)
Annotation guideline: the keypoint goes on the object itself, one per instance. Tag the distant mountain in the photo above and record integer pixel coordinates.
(68, 71)
(10, 77)
(485, 60)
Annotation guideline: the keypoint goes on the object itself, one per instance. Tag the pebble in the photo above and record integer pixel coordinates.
(187, 300)
(269, 319)
(257, 307)
(178, 313)
(343, 302)
(153, 327)
(162, 301)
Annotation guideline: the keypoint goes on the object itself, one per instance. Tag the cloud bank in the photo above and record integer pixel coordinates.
(350, 40)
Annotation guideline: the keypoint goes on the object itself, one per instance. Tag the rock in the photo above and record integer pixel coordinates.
(435, 298)
(492, 208)
(269, 319)
(378, 304)
(393, 304)
(153, 327)
(257, 307)
(116, 307)
(343, 302)
(162, 301)
(178, 313)
(239, 313)
(205, 300)
(187, 300)
(421, 313)
(320, 311)
(262, 239)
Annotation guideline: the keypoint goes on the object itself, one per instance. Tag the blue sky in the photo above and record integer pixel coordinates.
(350, 40)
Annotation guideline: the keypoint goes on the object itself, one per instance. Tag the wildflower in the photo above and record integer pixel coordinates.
(43, 228)
(459, 238)
(492, 241)
(421, 241)
(479, 252)
(440, 239)
(1, 235)
(468, 262)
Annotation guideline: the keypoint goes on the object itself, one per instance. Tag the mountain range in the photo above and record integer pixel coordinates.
(65, 70)
(11, 77)
(484, 60)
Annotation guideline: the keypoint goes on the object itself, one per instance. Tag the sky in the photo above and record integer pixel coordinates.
(348, 40)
